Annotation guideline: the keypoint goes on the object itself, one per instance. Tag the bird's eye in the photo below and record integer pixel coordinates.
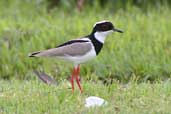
(105, 27)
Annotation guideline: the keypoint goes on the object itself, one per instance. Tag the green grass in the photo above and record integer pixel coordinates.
(142, 53)
(143, 50)
(34, 97)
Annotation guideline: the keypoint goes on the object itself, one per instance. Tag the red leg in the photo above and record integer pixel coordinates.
(78, 73)
(78, 78)
(72, 84)
(72, 79)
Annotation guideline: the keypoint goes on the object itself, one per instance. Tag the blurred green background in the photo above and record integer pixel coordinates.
(142, 53)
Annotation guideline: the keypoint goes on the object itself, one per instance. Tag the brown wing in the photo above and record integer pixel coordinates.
(74, 49)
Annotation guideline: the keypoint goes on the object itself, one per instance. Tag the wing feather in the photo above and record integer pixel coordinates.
(73, 49)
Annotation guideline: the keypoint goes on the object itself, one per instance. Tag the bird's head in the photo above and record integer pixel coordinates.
(102, 29)
(105, 26)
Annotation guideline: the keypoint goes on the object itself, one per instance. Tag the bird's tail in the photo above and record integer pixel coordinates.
(45, 53)
(35, 54)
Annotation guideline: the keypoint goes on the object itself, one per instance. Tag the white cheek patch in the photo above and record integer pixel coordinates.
(101, 36)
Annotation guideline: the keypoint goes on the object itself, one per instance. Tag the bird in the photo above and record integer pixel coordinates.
(80, 50)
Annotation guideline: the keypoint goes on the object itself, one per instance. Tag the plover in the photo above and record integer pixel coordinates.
(80, 50)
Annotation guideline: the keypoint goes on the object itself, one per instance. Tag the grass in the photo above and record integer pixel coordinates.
(142, 53)
(34, 97)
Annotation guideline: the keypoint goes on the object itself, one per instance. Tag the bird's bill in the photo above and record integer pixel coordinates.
(117, 30)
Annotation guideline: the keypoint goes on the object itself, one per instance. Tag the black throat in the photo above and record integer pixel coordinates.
(97, 44)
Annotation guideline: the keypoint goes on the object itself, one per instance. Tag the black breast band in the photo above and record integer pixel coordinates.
(97, 44)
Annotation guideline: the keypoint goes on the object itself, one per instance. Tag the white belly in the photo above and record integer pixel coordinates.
(81, 59)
